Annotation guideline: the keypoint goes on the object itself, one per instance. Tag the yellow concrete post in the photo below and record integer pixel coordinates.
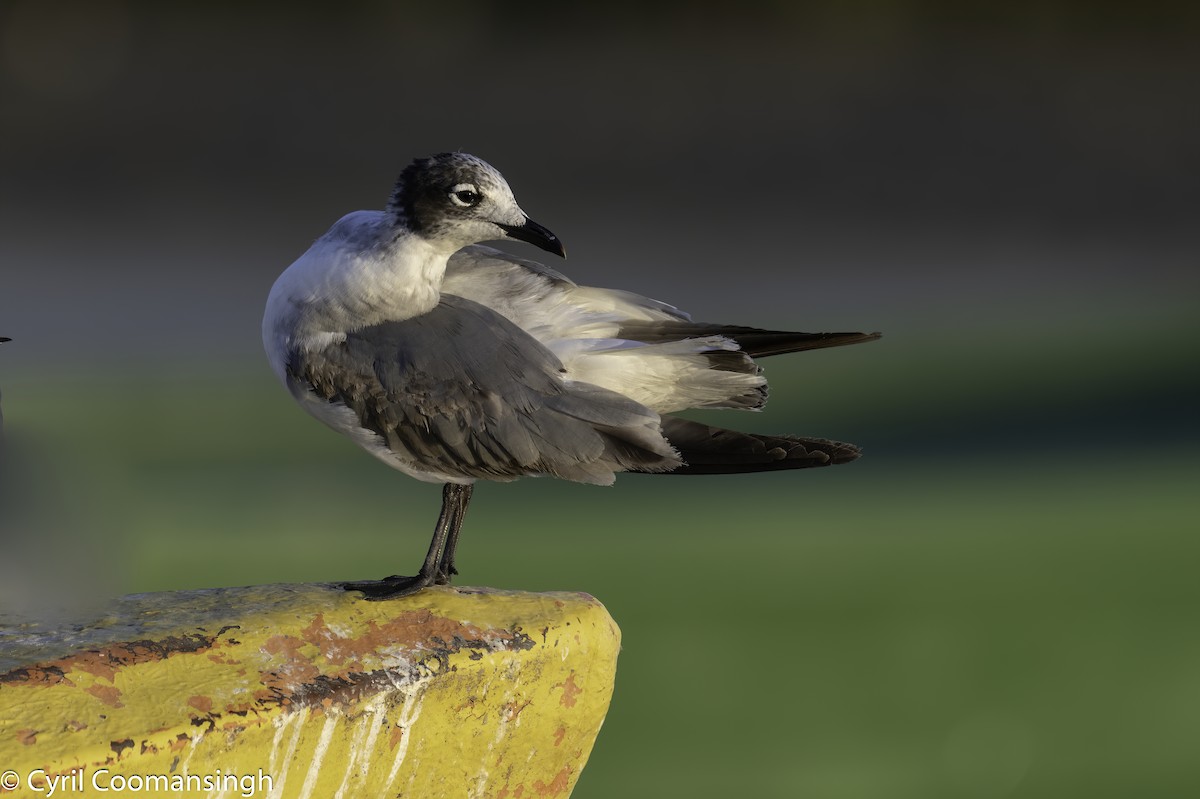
(309, 691)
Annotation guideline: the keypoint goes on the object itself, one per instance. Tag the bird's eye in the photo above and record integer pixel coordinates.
(465, 195)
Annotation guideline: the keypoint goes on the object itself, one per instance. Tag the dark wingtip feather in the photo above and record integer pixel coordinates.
(713, 450)
(754, 342)
(762, 343)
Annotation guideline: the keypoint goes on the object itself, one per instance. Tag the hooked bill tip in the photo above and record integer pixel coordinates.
(537, 235)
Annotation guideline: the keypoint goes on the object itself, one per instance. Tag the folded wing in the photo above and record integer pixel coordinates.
(643, 348)
(462, 392)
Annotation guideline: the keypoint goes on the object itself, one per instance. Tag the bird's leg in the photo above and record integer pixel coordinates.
(399, 585)
(456, 497)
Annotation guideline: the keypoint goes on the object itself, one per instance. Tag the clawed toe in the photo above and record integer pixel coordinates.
(392, 587)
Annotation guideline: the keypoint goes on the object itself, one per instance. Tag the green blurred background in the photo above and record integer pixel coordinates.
(998, 600)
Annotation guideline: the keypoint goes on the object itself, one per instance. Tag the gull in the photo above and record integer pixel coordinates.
(454, 362)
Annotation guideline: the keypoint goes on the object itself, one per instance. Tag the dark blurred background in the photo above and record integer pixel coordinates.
(998, 600)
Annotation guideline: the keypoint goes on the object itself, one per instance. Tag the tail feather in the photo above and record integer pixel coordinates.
(713, 450)
(754, 342)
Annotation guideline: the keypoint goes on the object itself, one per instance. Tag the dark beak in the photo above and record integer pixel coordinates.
(537, 235)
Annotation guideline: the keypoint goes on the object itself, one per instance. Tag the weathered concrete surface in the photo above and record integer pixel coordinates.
(309, 691)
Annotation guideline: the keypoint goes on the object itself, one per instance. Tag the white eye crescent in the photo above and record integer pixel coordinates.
(465, 195)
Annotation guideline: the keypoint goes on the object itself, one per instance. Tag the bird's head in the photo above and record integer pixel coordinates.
(458, 199)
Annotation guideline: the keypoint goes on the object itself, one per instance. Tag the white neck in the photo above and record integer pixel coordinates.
(353, 277)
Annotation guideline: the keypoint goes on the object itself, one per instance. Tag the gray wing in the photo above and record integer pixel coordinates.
(479, 259)
(538, 298)
(463, 391)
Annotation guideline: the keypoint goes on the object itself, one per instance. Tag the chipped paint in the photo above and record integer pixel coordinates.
(329, 695)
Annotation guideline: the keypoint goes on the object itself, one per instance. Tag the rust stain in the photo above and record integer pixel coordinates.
(46, 674)
(181, 740)
(415, 629)
(296, 671)
(570, 692)
(286, 644)
(76, 726)
(27, 737)
(556, 786)
(96, 663)
(396, 736)
(107, 661)
(559, 734)
(432, 639)
(317, 632)
(202, 703)
(107, 694)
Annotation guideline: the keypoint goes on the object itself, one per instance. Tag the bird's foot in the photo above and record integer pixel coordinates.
(392, 587)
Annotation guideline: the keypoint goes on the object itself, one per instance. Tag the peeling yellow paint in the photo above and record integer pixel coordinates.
(327, 695)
